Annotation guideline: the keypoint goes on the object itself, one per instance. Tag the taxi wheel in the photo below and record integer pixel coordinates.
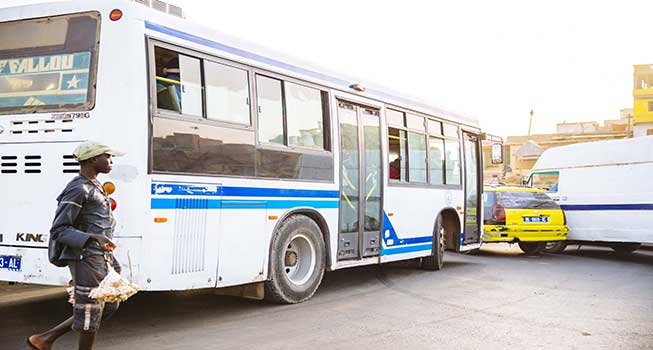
(555, 247)
(532, 248)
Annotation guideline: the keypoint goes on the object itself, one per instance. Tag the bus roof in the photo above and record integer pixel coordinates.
(611, 152)
(200, 35)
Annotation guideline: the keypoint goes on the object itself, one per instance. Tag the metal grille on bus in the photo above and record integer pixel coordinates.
(30, 164)
(189, 235)
(34, 164)
(38, 126)
(70, 165)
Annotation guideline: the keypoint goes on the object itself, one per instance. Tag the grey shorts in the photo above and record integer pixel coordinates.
(87, 274)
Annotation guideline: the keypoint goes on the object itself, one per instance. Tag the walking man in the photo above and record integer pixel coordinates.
(80, 238)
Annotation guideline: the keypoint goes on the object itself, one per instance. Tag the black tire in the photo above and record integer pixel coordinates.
(532, 248)
(289, 281)
(435, 261)
(555, 247)
(625, 248)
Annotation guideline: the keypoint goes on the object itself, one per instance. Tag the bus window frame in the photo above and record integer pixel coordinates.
(326, 115)
(164, 113)
(91, 94)
(252, 71)
(428, 184)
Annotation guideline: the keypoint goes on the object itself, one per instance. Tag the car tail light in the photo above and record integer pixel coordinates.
(113, 203)
(498, 214)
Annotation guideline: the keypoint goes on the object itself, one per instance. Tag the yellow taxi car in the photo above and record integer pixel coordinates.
(522, 215)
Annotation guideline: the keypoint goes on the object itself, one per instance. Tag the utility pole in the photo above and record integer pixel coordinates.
(530, 122)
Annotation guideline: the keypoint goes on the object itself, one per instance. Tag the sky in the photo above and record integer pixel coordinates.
(495, 60)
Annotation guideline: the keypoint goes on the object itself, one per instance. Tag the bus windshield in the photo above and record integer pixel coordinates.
(48, 64)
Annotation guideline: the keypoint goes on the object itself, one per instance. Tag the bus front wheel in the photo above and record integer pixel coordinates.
(435, 261)
(297, 261)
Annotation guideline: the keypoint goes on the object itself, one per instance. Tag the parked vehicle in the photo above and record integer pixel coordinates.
(605, 189)
(245, 168)
(522, 215)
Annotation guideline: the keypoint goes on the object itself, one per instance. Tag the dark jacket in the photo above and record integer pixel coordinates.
(83, 208)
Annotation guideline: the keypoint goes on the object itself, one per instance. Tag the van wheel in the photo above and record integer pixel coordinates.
(532, 248)
(435, 261)
(555, 247)
(625, 248)
(297, 261)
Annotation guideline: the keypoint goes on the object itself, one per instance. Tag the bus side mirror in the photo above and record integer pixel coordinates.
(497, 153)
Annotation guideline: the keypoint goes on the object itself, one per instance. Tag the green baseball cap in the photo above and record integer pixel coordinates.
(90, 149)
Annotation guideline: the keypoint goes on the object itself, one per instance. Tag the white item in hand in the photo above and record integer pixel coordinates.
(114, 288)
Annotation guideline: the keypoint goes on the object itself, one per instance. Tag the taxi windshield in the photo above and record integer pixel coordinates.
(48, 64)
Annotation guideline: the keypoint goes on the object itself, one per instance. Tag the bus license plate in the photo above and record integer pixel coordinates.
(11, 263)
(536, 219)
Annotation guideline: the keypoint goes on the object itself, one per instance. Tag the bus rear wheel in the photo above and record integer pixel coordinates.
(532, 248)
(297, 261)
(435, 261)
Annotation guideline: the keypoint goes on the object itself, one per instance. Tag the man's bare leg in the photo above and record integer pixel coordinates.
(86, 340)
(45, 340)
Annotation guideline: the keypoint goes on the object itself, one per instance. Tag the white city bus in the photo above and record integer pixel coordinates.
(243, 167)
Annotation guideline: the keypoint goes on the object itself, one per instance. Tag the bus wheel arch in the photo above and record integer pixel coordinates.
(315, 216)
(451, 224)
(297, 259)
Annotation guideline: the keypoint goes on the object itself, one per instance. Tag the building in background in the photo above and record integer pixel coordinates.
(521, 152)
(643, 100)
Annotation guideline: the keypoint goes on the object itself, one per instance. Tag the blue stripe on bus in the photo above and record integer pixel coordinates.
(277, 192)
(393, 240)
(256, 57)
(186, 190)
(165, 189)
(181, 203)
(410, 249)
(587, 207)
(392, 244)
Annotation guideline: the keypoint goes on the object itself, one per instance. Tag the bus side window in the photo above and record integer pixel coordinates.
(178, 82)
(452, 162)
(398, 156)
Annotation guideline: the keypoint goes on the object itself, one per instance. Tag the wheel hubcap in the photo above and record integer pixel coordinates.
(291, 259)
(442, 239)
(299, 259)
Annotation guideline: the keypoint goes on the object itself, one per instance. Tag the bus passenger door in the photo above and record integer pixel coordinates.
(360, 182)
(471, 233)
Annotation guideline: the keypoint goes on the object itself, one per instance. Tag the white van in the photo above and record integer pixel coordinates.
(605, 189)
